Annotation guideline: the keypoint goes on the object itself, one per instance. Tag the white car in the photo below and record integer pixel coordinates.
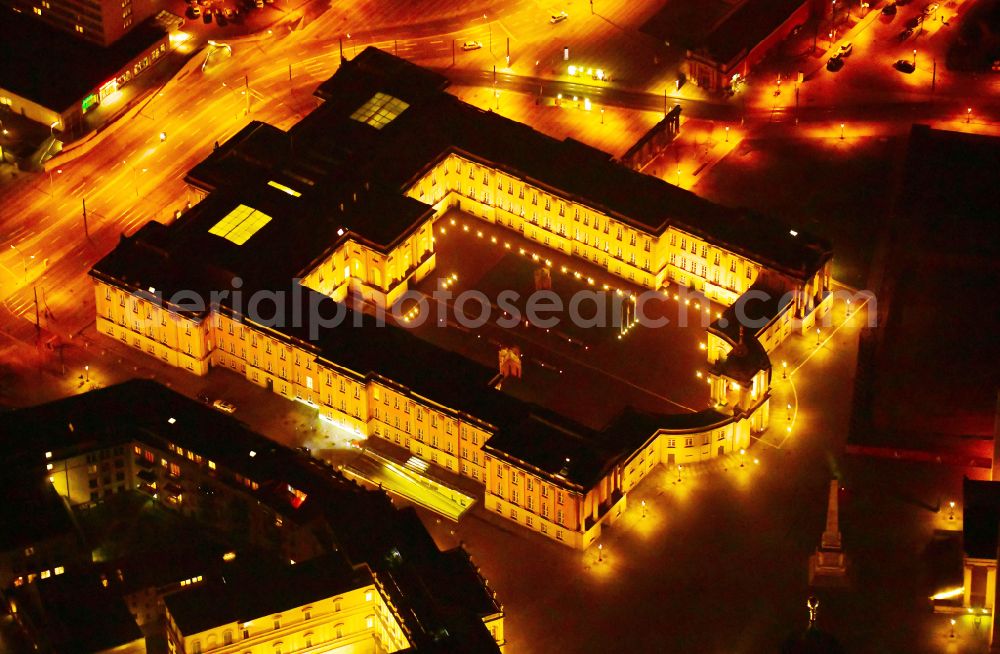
(558, 18)
(845, 49)
(224, 406)
(472, 45)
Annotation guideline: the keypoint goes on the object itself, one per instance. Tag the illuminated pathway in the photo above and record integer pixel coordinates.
(410, 484)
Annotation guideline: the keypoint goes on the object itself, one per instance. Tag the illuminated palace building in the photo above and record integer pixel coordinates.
(346, 201)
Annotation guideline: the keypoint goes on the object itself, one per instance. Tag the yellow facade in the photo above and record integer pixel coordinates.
(369, 405)
(367, 273)
(360, 620)
(570, 226)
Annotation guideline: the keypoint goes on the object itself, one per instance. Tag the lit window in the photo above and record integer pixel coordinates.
(240, 224)
(380, 110)
(368, 596)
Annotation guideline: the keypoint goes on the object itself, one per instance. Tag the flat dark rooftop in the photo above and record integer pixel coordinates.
(746, 27)
(56, 69)
(75, 613)
(930, 368)
(981, 518)
(138, 410)
(685, 23)
(333, 151)
(245, 594)
(31, 503)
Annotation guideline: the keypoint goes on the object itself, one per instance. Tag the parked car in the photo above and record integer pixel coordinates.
(204, 399)
(845, 49)
(889, 9)
(193, 11)
(472, 45)
(905, 34)
(835, 63)
(914, 22)
(904, 66)
(259, 4)
(558, 18)
(207, 17)
(930, 9)
(224, 406)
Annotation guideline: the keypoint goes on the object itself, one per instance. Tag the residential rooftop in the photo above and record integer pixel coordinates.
(364, 526)
(75, 613)
(246, 593)
(30, 495)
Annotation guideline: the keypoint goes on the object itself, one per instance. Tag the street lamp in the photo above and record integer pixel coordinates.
(727, 133)
(952, 634)
(644, 508)
(968, 115)
(86, 372)
(678, 473)
(784, 370)
(600, 554)
(788, 409)
(743, 454)
(817, 337)
(914, 58)
(24, 260)
(951, 510)
(842, 131)
(163, 137)
(490, 26)
(602, 115)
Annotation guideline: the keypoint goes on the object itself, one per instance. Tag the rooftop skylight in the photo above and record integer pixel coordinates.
(380, 110)
(286, 189)
(240, 224)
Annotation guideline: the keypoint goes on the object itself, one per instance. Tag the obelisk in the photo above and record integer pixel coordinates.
(828, 565)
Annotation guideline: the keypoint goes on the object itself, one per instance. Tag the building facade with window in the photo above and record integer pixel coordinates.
(60, 84)
(345, 205)
(99, 21)
(311, 606)
(355, 571)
